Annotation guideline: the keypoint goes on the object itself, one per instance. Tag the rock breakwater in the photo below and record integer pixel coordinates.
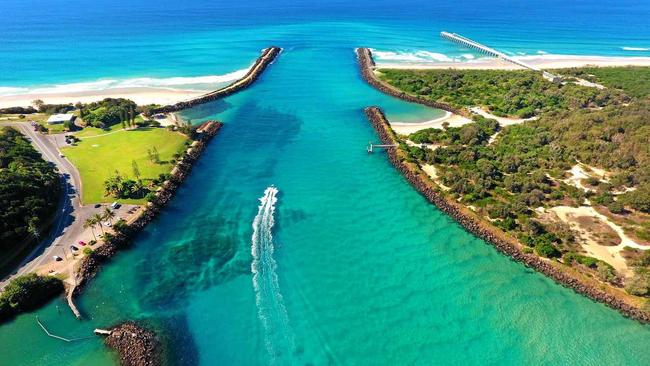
(367, 68)
(135, 345)
(266, 58)
(501, 241)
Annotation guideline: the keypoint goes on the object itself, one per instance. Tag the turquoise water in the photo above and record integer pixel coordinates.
(363, 270)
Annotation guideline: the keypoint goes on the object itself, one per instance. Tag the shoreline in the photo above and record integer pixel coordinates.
(540, 61)
(505, 244)
(140, 95)
(170, 99)
(267, 57)
(407, 128)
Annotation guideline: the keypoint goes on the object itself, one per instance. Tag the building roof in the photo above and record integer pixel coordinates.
(58, 118)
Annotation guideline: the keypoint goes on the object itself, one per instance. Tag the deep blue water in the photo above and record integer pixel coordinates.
(363, 271)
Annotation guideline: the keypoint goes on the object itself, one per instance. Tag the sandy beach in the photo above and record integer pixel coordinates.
(140, 95)
(541, 61)
(407, 128)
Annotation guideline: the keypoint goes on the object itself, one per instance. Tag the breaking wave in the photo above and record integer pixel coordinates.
(271, 311)
(200, 83)
(635, 48)
(421, 57)
(417, 56)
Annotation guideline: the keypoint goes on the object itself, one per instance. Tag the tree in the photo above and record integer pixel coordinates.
(547, 250)
(108, 215)
(38, 103)
(136, 170)
(98, 219)
(155, 155)
(638, 199)
(90, 223)
(639, 284)
(33, 228)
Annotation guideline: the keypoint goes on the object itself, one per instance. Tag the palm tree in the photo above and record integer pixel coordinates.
(98, 220)
(108, 215)
(90, 223)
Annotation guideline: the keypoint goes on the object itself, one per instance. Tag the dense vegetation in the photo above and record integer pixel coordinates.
(29, 192)
(108, 112)
(525, 166)
(26, 293)
(18, 110)
(634, 80)
(504, 93)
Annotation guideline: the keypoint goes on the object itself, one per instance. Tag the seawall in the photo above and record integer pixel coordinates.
(266, 58)
(91, 263)
(367, 66)
(135, 345)
(500, 240)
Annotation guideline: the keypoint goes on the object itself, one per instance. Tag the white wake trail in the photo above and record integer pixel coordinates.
(271, 311)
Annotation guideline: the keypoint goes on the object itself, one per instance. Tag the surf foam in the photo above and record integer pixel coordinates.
(200, 83)
(635, 49)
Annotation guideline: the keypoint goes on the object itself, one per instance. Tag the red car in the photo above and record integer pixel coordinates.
(82, 243)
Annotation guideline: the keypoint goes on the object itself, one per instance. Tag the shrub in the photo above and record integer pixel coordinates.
(639, 284)
(547, 250)
(616, 207)
(27, 292)
(150, 197)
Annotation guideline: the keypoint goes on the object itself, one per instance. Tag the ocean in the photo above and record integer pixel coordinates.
(289, 244)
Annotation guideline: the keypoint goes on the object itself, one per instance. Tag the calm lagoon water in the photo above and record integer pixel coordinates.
(363, 271)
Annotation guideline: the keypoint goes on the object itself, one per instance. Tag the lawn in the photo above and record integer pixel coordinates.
(98, 157)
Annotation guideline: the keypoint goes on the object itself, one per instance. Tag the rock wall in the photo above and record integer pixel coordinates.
(135, 345)
(367, 65)
(268, 56)
(494, 236)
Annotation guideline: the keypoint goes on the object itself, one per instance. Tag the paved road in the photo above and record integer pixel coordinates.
(71, 214)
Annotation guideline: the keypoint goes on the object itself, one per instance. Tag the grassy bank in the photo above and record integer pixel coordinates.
(100, 154)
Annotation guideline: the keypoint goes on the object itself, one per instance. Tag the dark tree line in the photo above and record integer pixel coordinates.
(29, 192)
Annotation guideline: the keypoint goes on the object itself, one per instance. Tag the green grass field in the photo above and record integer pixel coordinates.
(98, 157)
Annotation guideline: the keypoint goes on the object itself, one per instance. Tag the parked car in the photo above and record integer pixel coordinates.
(82, 243)
(115, 205)
(57, 258)
(98, 205)
(73, 248)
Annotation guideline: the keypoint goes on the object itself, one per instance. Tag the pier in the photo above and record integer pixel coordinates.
(372, 146)
(466, 42)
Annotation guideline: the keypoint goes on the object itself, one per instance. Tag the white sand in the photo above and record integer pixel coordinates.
(407, 128)
(503, 121)
(609, 254)
(541, 61)
(433, 174)
(140, 95)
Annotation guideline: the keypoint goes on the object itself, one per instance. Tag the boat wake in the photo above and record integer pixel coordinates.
(271, 311)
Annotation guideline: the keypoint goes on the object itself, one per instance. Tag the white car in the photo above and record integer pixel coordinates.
(57, 258)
